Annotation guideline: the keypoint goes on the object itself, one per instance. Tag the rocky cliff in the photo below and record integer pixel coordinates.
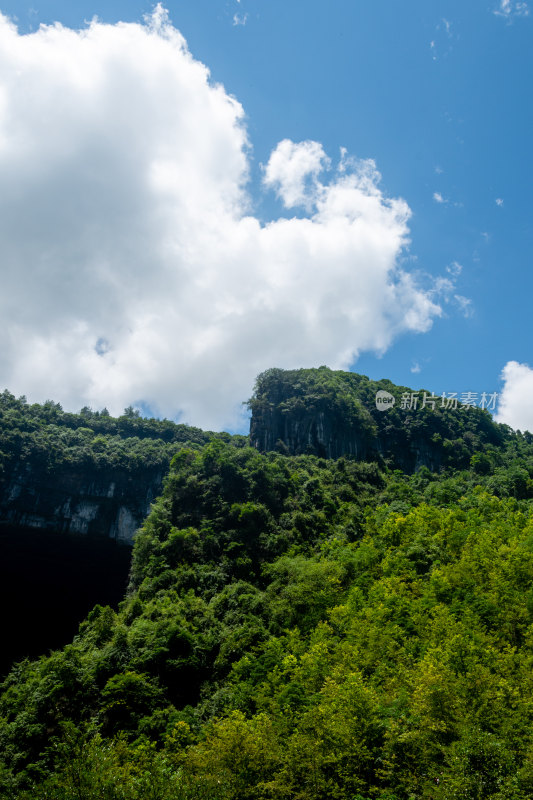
(110, 503)
(332, 413)
(302, 431)
(86, 473)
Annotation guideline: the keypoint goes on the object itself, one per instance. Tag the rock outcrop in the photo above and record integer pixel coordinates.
(301, 432)
(105, 503)
(332, 414)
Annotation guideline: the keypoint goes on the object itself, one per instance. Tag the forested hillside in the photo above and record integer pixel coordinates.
(301, 628)
(86, 473)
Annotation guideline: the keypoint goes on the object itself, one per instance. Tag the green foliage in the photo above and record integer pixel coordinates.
(46, 437)
(296, 628)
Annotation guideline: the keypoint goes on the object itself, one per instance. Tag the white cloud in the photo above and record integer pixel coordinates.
(439, 198)
(416, 368)
(465, 305)
(132, 269)
(240, 19)
(499, 201)
(441, 45)
(504, 9)
(509, 10)
(444, 287)
(454, 269)
(515, 407)
(293, 170)
(444, 291)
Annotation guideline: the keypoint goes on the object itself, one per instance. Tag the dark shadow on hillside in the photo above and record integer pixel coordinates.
(49, 582)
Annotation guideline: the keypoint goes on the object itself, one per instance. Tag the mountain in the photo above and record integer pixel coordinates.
(304, 627)
(91, 474)
(332, 413)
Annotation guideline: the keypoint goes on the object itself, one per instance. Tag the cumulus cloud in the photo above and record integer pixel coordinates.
(515, 406)
(293, 170)
(133, 270)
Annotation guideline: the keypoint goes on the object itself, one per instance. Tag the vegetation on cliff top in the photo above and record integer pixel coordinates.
(47, 437)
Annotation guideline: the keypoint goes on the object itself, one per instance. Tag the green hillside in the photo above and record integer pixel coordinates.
(301, 628)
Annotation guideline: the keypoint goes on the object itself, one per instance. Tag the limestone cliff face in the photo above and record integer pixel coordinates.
(332, 413)
(317, 432)
(326, 435)
(106, 503)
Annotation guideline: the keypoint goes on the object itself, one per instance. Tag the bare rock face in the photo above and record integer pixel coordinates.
(316, 432)
(104, 503)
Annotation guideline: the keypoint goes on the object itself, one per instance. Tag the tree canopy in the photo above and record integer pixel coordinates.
(299, 628)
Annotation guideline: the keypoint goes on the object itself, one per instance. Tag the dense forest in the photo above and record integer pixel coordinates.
(298, 627)
(47, 435)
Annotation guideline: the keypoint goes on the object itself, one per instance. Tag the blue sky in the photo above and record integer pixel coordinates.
(438, 95)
